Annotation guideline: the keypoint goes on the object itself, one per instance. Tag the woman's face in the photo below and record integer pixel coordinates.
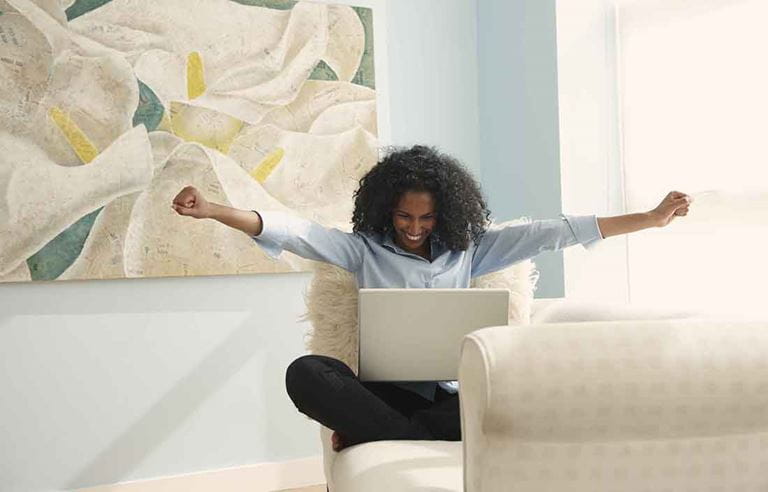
(413, 219)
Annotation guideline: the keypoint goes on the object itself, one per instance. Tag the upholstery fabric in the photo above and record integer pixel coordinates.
(633, 406)
(569, 310)
(402, 466)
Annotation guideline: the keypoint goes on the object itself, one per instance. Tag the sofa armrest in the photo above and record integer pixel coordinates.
(540, 402)
(564, 310)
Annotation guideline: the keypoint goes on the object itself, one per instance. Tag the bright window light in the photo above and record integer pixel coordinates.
(693, 100)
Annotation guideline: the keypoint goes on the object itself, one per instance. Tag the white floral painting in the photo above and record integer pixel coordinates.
(109, 107)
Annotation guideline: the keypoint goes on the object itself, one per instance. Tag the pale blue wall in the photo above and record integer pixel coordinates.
(109, 381)
(433, 76)
(519, 144)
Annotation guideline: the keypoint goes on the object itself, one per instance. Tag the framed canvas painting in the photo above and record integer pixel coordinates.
(110, 107)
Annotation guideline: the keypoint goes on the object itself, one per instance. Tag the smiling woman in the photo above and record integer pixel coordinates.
(419, 221)
(444, 199)
(413, 219)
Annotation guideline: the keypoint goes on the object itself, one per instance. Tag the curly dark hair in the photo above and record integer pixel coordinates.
(461, 211)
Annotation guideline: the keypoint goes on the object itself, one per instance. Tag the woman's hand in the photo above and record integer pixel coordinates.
(675, 204)
(190, 202)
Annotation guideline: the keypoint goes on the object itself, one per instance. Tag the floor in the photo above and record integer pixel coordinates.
(313, 488)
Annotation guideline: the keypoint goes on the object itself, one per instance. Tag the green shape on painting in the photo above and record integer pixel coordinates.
(270, 4)
(323, 72)
(150, 110)
(60, 252)
(81, 7)
(366, 75)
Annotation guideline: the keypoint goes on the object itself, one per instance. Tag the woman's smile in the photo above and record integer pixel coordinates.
(413, 219)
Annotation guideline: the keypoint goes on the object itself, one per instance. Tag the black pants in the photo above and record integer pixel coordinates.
(326, 390)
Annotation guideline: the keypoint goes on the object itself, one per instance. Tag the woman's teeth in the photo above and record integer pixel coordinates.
(413, 238)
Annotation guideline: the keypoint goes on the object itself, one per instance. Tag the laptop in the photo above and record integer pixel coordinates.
(416, 334)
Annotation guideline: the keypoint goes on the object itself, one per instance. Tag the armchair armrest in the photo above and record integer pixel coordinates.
(606, 405)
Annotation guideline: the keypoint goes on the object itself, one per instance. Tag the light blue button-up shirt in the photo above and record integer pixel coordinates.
(378, 262)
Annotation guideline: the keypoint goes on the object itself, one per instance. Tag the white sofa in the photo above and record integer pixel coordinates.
(438, 465)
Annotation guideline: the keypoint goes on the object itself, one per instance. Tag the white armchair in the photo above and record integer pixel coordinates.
(403, 466)
(603, 406)
(391, 465)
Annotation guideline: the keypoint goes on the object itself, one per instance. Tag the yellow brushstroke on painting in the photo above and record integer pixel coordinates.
(268, 164)
(195, 76)
(206, 126)
(79, 142)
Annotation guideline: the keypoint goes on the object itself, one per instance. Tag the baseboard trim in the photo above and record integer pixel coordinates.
(262, 477)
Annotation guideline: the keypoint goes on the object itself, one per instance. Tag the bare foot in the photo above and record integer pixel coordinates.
(337, 442)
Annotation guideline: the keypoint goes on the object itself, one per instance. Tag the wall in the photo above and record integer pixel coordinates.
(434, 76)
(592, 182)
(111, 381)
(519, 143)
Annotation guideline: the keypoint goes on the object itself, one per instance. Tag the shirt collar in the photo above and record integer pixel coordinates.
(435, 248)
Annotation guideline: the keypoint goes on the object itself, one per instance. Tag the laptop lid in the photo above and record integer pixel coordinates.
(416, 334)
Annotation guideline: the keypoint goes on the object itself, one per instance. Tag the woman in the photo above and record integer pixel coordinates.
(420, 220)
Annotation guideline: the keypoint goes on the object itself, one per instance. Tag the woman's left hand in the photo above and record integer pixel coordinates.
(675, 204)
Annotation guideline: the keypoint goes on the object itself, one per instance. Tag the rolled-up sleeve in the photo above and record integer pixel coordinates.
(585, 228)
(506, 244)
(308, 239)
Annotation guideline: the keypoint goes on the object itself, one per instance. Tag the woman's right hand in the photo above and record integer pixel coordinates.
(190, 202)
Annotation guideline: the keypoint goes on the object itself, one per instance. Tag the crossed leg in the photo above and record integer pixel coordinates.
(326, 390)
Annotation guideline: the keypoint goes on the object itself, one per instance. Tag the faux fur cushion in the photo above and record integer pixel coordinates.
(332, 306)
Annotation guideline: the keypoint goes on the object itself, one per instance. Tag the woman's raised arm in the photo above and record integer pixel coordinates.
(191, 203)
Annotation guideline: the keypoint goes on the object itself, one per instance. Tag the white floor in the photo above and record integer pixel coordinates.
(314, 488)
